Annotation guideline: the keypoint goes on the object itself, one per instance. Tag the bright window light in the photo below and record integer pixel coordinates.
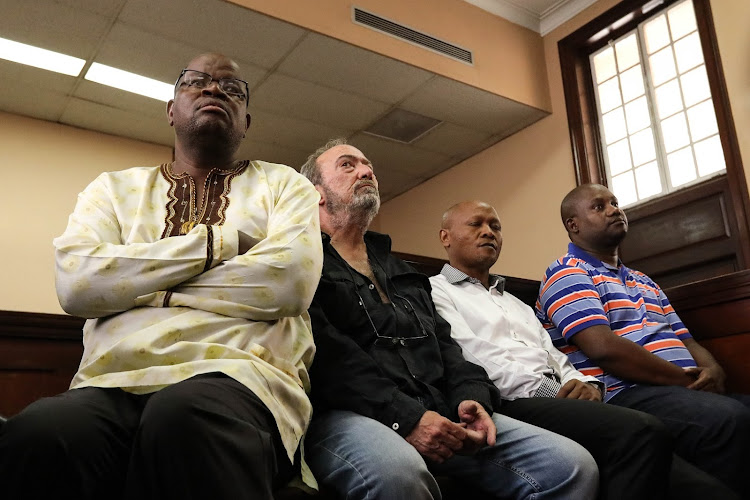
(130, 82)
(40, 58)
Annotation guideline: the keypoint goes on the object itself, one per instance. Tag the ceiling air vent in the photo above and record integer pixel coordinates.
(399, 31)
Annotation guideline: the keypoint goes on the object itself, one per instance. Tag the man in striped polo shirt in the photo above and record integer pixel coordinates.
(615, 323)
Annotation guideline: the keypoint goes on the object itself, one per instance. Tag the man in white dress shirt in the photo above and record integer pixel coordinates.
(538, 383)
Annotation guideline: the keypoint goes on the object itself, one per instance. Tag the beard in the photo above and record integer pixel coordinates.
(360, 211)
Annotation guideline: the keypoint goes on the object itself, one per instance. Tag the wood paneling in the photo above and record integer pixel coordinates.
(39, 354)
(717, 313)
(687, 238)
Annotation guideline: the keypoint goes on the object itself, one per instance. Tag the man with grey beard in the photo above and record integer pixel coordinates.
(394, 400)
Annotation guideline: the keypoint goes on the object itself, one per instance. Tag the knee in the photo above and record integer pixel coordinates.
(34, 432)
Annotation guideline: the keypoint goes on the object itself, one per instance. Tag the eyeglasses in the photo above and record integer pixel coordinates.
(233, 87)
(385, 340)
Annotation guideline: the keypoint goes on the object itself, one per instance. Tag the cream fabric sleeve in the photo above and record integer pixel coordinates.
(97, 274)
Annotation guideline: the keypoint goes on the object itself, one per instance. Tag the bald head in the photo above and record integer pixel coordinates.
(569, 205)
(471, 235)
(460, 209)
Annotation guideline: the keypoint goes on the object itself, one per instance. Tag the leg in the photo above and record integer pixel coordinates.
(632, 449)
(687, 482)
(711, 431)
(527, 462)
(206, 437)
(360, 458)
(74, 445)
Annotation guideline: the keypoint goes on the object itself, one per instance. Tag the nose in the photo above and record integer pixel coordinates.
(487, 231)
(364, 171)
(614, 210)
(213, 89)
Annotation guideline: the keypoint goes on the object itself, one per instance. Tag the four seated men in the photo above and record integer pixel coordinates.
(538, 383)
(615, 323)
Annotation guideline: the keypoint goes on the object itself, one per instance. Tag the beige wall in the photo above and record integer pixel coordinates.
(508, 59)
(526, 176)
(45, 165)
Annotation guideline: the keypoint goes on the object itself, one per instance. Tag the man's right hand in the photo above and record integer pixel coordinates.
(436, 438)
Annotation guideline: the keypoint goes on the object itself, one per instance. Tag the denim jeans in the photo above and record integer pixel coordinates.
(360, 458)
(711, 431)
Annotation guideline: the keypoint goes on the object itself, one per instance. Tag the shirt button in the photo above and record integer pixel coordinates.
(371, 286)
(395, 426)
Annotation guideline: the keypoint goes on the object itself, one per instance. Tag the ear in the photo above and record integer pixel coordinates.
(445, 238)
(248, 119)
(571, 225)
(169, 112)
(322, 200)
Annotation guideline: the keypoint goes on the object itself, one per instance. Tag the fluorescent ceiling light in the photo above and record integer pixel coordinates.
(40, 58)
(130, 82)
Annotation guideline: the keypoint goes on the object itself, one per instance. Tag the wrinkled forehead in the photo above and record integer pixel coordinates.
(214, 64)
(330, 158)
(591, 193)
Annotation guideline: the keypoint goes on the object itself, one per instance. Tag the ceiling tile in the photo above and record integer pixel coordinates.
(52, 26)
(291, 97)
(291, 132)
(125, 45)
(27, 78)
(450, 140)
(339, 65)
(393, 156)
(94, 116)
(456, 102)
(216, 26)
(254, 150)
(107, 8)
(120, 99)
(42, 103)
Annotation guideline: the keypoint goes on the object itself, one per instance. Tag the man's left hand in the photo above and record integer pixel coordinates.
(707, 378)
(578, 389)
(480, 429)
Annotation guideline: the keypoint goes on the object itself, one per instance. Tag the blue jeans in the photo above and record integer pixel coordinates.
(360, 458)
(712, 431)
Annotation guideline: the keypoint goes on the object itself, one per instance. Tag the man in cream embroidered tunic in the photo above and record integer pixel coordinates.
(199, 271)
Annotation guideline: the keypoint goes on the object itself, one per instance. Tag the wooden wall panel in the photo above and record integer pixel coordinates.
(687, 239)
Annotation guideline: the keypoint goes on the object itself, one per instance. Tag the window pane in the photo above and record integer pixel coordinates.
(710, 156)
(642, 145)
(627, 52)
(675, 132)
(682, 20)
(631, 82)
(702, 120)
(637, 115)
(609, 95)
(656, 33)
(604, 65)
(688, 52)
(681, 167)
(623, 187)
(619, 157)
(668, 99)
(647, 178)
(614, 125)
(695, 86)
(662, 66)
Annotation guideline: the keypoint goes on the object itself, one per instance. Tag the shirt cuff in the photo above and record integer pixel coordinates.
(548, 388)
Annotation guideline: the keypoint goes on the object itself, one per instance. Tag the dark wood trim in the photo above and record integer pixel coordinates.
(704, 293)
(40, 325)
(725, 121)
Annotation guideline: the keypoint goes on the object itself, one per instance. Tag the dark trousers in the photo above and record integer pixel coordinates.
(633, 450)
(206, 437)
(711, 431)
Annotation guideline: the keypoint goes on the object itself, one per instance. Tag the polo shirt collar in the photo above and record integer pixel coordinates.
(454, 276)
(620, 270)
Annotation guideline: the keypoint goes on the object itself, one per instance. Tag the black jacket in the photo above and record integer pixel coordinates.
(390, 362)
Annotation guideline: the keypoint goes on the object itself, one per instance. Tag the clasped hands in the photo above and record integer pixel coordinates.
(437, 438)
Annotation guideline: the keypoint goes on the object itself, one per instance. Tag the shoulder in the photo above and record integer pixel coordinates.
(277, 174)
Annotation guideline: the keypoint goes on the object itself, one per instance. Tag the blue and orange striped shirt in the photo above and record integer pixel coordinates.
(580, 291)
